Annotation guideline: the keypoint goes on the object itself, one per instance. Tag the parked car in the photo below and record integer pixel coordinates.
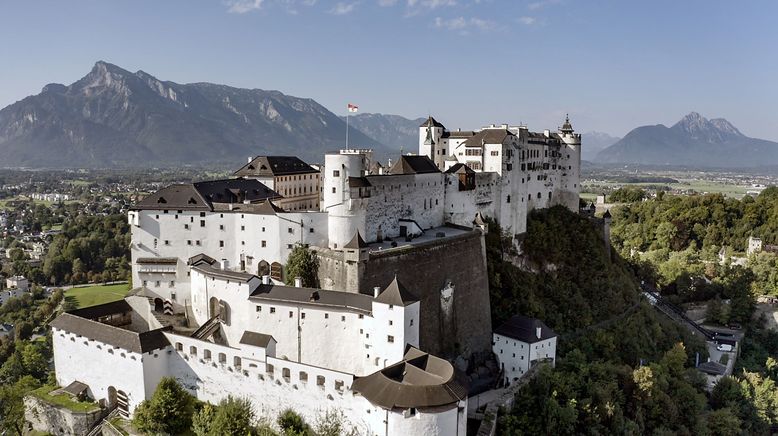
(735, 326)
(724, 347)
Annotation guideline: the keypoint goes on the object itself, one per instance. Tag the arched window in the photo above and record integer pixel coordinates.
(263, 269)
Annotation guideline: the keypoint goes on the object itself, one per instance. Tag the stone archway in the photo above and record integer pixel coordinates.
(159, 305)
(263, 269)
(111, 397)
(213, 307)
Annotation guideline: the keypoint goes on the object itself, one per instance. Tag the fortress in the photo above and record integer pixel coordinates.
(400, 316)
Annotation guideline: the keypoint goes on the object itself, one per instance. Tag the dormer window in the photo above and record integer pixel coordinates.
(161, 200)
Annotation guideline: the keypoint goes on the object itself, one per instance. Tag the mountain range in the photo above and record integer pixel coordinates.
(595, 142)
(113, 117)
(394, 131)
(692, 141)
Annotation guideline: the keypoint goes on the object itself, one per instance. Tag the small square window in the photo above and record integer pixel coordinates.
(259, 309)
(264, 244)
(272, 310)
(290, 230)
(302, 315)
(390, 339)
(221, 243)
(326, 316)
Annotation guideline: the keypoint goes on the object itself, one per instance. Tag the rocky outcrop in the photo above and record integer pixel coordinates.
(58, 420)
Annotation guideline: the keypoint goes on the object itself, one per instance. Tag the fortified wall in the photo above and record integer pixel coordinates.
(447, 274)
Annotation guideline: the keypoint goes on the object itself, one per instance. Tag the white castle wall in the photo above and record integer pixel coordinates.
(135, 374)
(516, 356)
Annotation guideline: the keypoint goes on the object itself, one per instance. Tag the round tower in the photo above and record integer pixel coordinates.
(343, 212)
(571, 156)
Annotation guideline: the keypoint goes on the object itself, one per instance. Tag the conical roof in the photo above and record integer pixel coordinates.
(356, 243)
(431, 122)
(397, 295)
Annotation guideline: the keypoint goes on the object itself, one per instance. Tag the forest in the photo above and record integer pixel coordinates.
(622, 368)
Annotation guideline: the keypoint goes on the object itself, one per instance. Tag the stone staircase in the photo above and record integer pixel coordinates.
(207, 329)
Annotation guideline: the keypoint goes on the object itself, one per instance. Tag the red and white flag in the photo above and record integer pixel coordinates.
(352, 107)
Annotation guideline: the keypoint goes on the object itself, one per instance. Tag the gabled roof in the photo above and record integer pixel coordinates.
(256, 339)
(358, 182)
(157, 260)
(223, 273)
(431, 122)
(268, 208)
(460, 168)
(458, 134)
(524, 328)
(488, 136)
(397, 295)
(419, 380)
(270, 166)
(408, 164)
(203, 195)
(201, 258)
(294, 295)
(80, 323)
(356, 243)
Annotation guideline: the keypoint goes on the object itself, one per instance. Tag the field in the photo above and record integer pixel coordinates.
(4, 202)
(98, 294)
(699, 186)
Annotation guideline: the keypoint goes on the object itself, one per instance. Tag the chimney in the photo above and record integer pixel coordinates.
(376, 291)
(250, 159)
(537, 331)
(265, 279)
(298, 282)
(224, 264)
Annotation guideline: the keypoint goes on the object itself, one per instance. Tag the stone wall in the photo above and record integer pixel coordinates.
(450, 278)
(57, 420)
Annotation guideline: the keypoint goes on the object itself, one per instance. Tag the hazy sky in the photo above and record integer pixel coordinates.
(613, 65)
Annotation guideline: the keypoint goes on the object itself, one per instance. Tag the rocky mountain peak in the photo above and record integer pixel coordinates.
(700, 128)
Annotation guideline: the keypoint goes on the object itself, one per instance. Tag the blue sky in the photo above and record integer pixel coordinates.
(612, 64)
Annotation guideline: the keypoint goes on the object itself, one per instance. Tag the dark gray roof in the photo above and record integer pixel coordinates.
(94, 312)
(419, 380)
(203, 195)
(566, 127)
(269, 166)
(607, 214)
(713, 368)
(107, 334)
(208, 269)
(201, 258)
(488, 136)
(356, 242)
(76, 388)
(431, 122)
(358, 182)
(524, 329)
(460, 168)
(157, 260)
(320, 297)
(397, 295)
(459, 134)
(408, 164)
(255, 339)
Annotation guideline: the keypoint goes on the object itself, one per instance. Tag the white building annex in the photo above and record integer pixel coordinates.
(210, 306)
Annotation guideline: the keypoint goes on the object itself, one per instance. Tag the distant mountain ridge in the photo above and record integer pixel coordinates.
(692, 141)
(112, 117)
(594, 142)
(394, 131)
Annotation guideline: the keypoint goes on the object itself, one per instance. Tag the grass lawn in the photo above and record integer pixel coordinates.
(63, 400)
(98, 294)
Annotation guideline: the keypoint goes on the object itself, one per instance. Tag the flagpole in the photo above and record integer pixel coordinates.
(348, 115)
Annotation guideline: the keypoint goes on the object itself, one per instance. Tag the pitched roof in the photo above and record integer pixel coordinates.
(397, 295)
(203, 195)
(336, 299)
(408, 164)
(274, 166)
(108, 334)
(268, 208)
(524, 328)
(458, 134)
(419, 380)
(157, 260)
(358, 182)
(713, 368)
(356, 242)
(488, 136)
(201, 258)
(76, 388)
(459, 169)
(208, 269)
(431, 122)
(255, 339)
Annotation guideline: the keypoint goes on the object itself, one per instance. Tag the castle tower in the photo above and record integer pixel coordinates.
(346, 216)
(571, 160)
(430, 133)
